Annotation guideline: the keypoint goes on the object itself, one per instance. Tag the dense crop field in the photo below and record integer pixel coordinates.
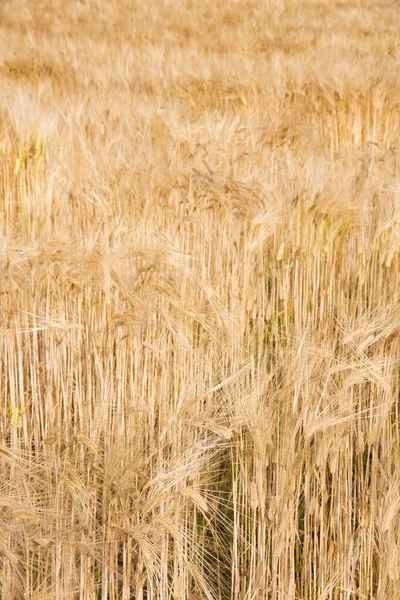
(199, 300)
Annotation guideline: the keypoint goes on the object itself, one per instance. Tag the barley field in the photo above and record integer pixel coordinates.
(199, 300)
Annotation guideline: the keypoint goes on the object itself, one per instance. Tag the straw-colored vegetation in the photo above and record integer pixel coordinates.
(199, 300)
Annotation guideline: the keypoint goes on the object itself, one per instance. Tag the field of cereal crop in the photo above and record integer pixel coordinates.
(199, 300)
